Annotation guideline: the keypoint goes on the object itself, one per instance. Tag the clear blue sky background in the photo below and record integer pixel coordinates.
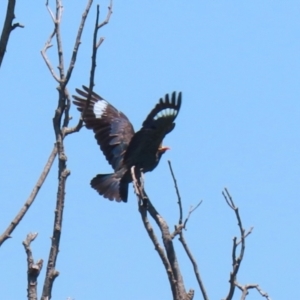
(237, 64)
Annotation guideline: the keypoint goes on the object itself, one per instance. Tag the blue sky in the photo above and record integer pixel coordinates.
(237, 64)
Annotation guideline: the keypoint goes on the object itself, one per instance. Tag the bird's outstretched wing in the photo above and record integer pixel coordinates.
(112, 129)
(158, 123)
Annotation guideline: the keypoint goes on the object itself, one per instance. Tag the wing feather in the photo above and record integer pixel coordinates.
(160, 121)
(113, 131)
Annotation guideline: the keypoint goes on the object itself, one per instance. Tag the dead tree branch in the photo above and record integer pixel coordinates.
(179, 231)
(61, 128)
(245, 290)
(33, 269)
(7, 233)
(177, 192)
(61, 113)
(96, 46)
(77, 43)
(237, 258)
(143, 211)
(168, 258)
(8, 27)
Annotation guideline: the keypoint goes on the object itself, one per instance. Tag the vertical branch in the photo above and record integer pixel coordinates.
(177, 192)
(33, 269)
(96, 45)
(136, 176)
(51, 272)
(60, 129)
(169, 247)
(58, 16)
(236, 259)
(169, 260)
(179, 231)
(77, 42)
(8, 27)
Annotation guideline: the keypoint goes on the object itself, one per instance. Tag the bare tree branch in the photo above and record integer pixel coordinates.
(48, 44)
(8, 27)
(236, 261)
(31, 198)
(143, 211)
(105, 22)
(179, 227)
(195, 266)
(33, 269)
(172, 267)
(177, 192)
(60, 53)
(61, 130)
(62, 111)
(179, 231)
(237, 258)
(77, 42)
(245, 290)
(51, 272)
(96, 46)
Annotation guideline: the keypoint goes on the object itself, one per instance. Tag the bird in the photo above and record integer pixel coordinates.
(120, 144)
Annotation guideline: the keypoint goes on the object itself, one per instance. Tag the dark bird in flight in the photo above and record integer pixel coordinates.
(122, 147)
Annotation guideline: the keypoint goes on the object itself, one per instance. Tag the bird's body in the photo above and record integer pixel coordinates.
(122, 147)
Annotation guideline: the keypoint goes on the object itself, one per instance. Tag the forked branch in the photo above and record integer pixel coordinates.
(179, 231)
(33, 269)
(96, 45)
(238, 255)
(168, 256)
(245, 290)
(8, 27)
(60, 121)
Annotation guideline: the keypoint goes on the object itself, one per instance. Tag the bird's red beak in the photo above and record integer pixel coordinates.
(163, 149)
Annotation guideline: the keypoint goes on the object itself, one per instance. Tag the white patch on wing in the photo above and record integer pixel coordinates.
(166, 112)
(99, 108)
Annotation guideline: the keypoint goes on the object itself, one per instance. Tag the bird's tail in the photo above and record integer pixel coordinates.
(110, 186)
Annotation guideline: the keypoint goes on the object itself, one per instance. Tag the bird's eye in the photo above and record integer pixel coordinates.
(166, 112)
(100, 108)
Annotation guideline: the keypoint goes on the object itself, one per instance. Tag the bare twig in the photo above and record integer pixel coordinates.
(171, 265)
(180, 226)
(143, 211)
(91, 84)
(77, 42)
(30, 199)
(178, 231)
(236, 261)
(245, 235)
(96, 46)
(33, 269)
(149, 228)
(48, 44)
(51, 272)
(61, 129)
(237, 258)
(8, 27)
(177, 192)
(192, 209)
(61, 66)
(195, 266)
(105, 22)
(245, 290)
(61, 111)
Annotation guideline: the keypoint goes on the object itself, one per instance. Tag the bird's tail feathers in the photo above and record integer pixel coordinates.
(110, 186)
